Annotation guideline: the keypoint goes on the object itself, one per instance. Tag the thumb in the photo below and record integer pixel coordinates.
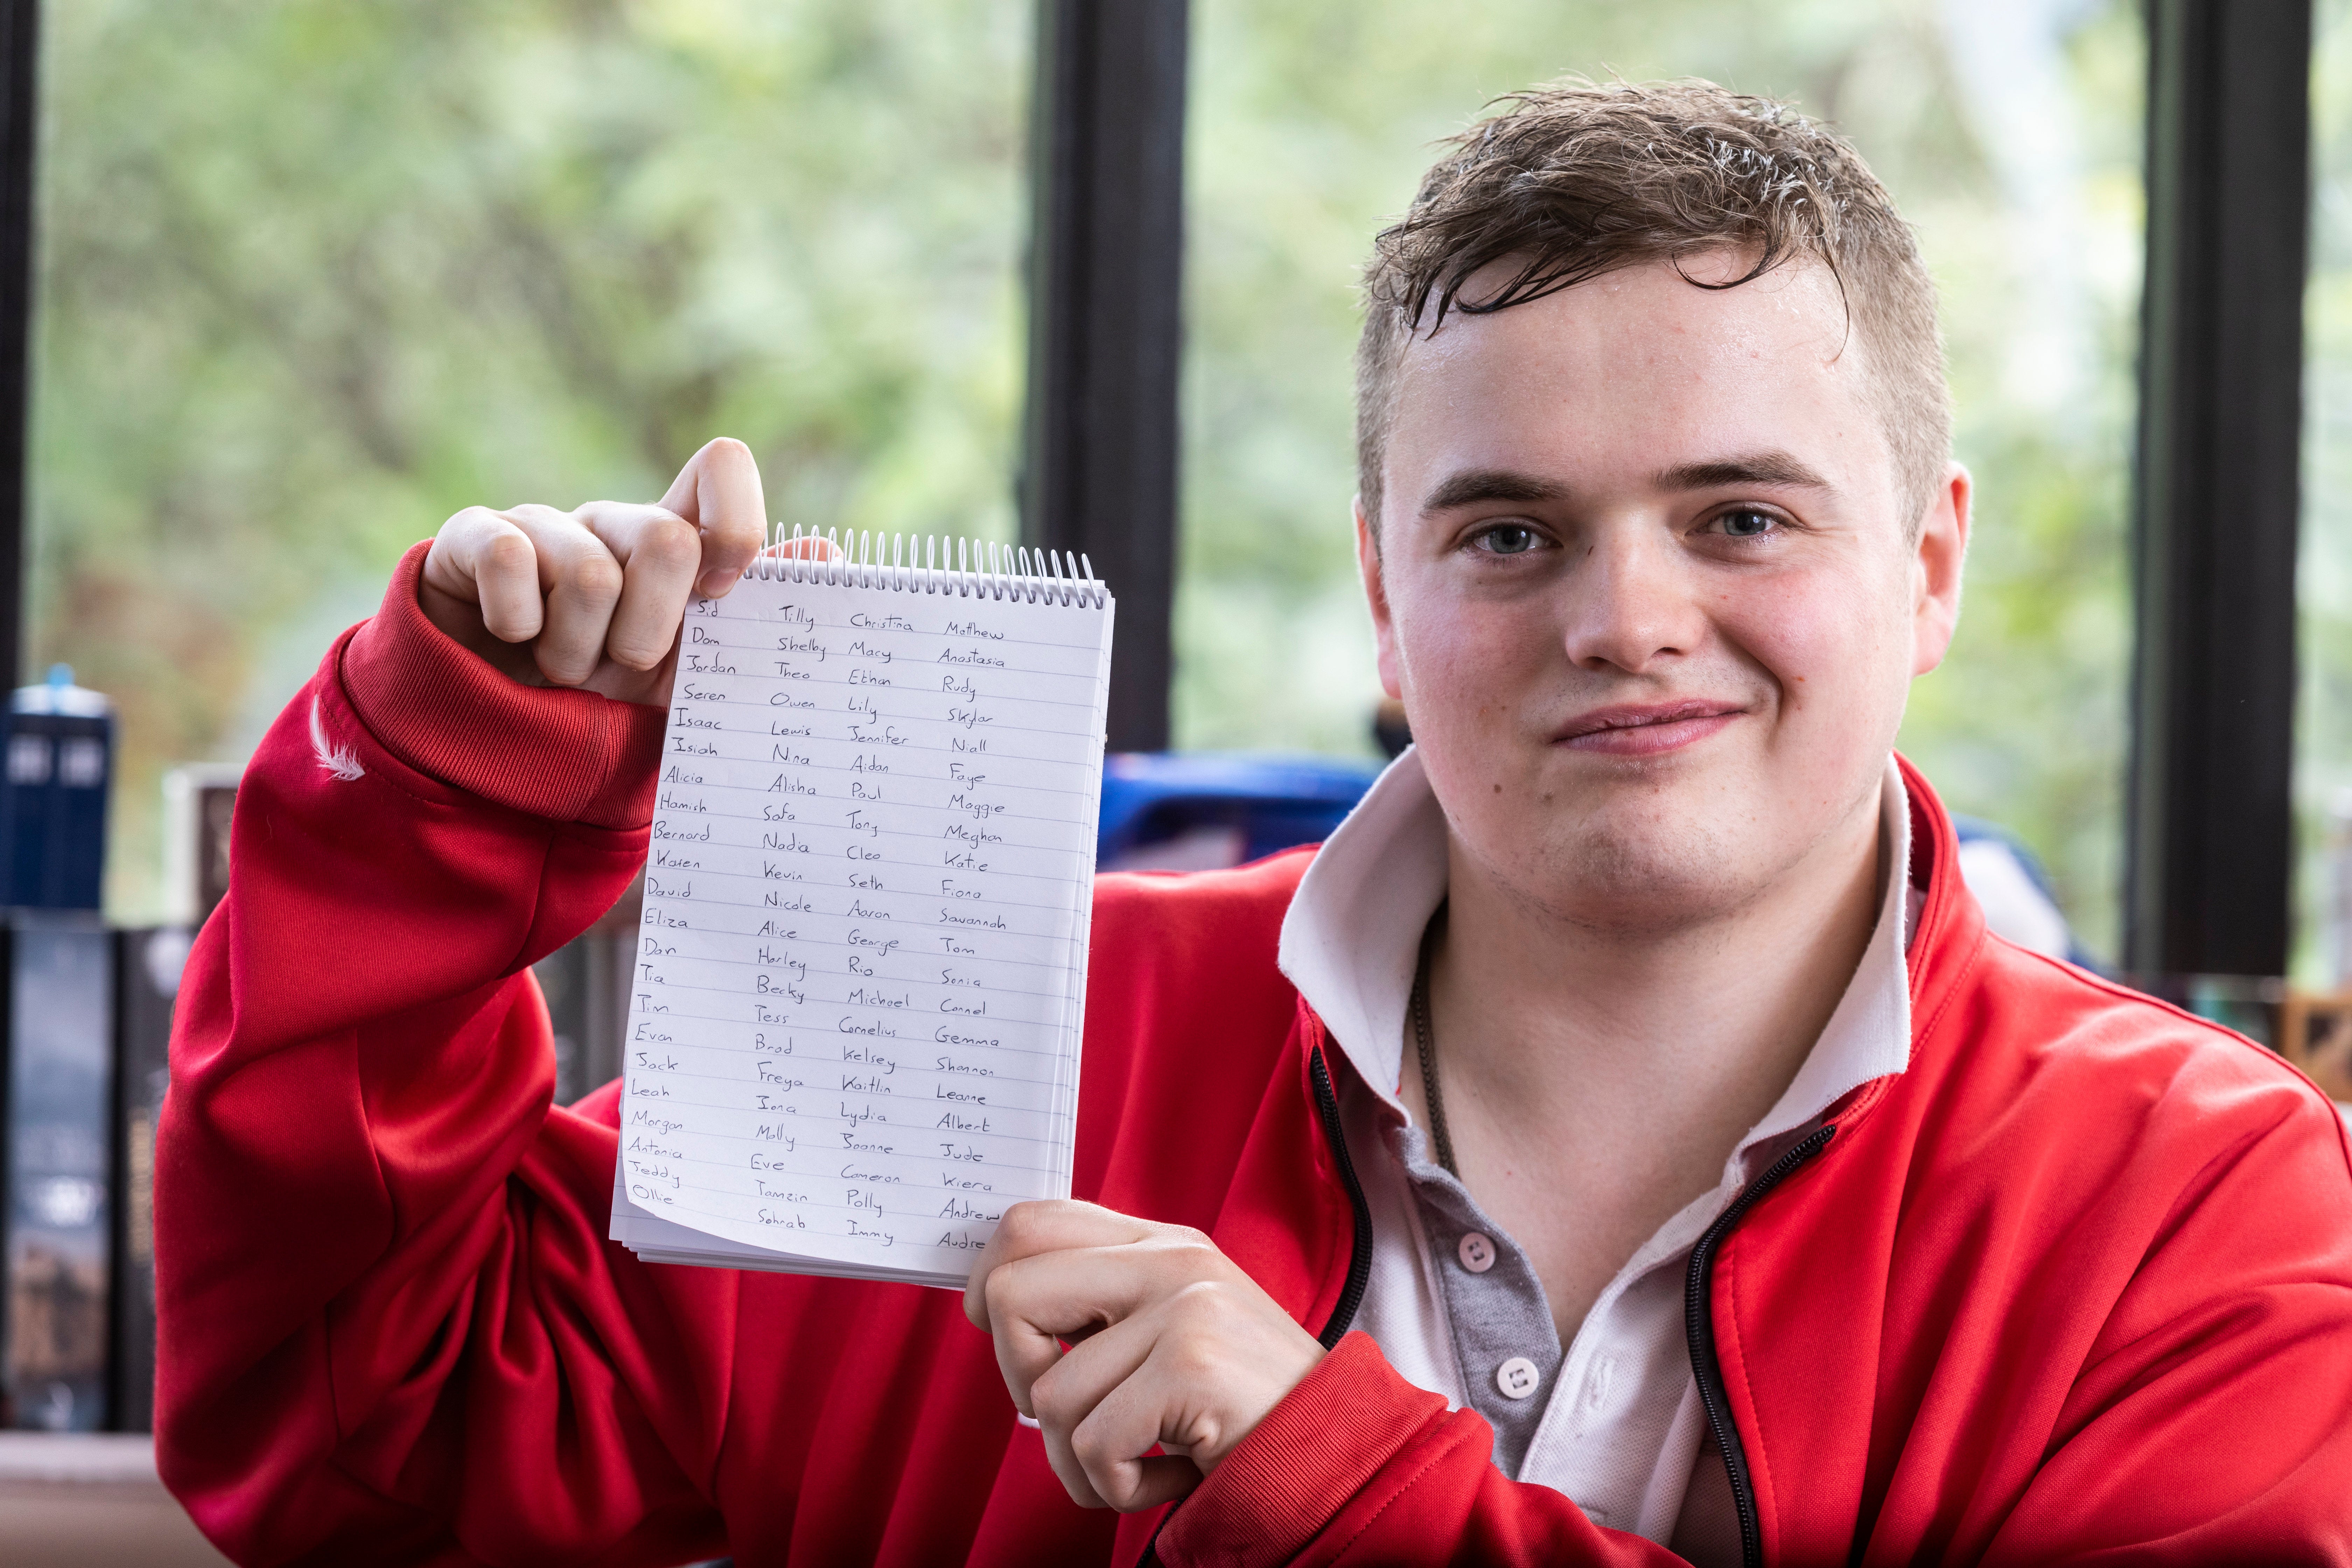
(719, 492)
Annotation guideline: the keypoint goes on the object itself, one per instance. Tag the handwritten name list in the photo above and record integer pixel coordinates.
(854, 1012)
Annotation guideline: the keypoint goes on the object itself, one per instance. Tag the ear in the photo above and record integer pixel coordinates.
(1376, 594)
(1935, 569)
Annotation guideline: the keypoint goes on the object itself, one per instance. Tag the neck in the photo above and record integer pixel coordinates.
(1691, 1032)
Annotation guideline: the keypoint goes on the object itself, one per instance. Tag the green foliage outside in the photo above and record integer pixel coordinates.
(318, 272)
(2324, 573)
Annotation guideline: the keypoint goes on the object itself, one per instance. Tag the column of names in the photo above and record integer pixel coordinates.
(851, 1027)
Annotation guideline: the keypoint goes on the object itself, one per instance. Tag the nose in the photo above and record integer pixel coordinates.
(1630, 604)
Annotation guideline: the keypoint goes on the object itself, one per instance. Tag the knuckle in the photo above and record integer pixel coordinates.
(1195, 1253)
(1048, 1396)
(1102, 1466)
(1018, 1225)
(509, 549)
(670, 542)
(468, 519)
(1201, 1305)
(594, 577)
(1195, 1360)
(997, 1290)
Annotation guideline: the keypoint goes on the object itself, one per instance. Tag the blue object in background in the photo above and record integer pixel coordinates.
(2014, 891)
(53, 788)
(1198, 811)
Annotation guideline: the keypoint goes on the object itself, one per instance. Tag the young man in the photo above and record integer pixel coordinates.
(1621, 1141)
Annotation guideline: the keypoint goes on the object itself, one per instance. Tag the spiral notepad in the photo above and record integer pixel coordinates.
(855, 1016)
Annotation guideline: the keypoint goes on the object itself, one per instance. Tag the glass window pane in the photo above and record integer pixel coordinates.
(316, 274)
(2009, 136)
(2323, 731)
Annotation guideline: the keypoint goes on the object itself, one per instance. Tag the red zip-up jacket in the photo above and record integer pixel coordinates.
(2075, 1286)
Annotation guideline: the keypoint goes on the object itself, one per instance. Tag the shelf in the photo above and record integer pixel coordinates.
(91, 1500)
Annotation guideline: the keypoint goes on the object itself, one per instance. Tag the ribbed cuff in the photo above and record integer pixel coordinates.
(1291, 1476)
(569, 756)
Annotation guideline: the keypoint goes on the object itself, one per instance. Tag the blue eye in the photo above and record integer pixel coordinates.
(1746, 523)
(1508, 538)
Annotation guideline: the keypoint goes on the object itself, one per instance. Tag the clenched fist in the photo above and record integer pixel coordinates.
(593, 597)
(1171, 1344)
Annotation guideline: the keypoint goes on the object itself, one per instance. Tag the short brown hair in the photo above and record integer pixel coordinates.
(1577, 179)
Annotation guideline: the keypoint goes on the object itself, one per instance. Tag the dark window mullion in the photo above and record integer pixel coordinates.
(1106, 271)
(2211, 825)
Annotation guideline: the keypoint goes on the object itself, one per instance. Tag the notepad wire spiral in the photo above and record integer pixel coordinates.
(930, 563)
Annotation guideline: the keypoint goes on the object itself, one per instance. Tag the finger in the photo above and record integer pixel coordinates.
(581, 582)
(719, 492)
(1100, 1458)
(485, 560)
(1031, 1309)
(1046, 1225)
(1036, 1302)
(660, 553)
(1112, 1447)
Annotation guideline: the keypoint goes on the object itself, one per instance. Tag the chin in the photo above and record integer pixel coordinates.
(1633, 876)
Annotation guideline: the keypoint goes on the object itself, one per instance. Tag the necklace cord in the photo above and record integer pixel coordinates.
(1426, 1040)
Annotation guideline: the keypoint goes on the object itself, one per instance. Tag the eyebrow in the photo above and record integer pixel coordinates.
(1479, 487)
(1774, 468)
(1474, 487)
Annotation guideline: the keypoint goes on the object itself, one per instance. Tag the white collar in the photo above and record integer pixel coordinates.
(1352, 937)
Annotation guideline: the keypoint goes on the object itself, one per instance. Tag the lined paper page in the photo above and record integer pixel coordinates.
(854, 1021)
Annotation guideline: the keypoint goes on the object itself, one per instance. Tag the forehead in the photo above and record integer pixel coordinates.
(1637, 371)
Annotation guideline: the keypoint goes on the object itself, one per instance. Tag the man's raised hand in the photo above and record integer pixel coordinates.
(1170, 1343)
(593, 597)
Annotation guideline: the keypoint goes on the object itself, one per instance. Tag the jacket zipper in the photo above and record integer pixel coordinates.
(1698, 1323)
(1359, 1260)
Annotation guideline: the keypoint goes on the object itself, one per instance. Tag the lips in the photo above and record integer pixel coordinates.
(1647, 729)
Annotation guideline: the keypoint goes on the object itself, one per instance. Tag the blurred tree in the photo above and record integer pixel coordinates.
(319, 272)
(2009, 136)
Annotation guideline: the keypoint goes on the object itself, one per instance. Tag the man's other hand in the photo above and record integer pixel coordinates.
(1170, 1343)
(593, 597)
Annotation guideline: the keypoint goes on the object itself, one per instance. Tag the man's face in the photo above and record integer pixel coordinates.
(1644, 586)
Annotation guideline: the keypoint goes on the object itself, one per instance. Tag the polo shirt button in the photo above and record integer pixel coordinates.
(1478, 1252)
(1517, 1377)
